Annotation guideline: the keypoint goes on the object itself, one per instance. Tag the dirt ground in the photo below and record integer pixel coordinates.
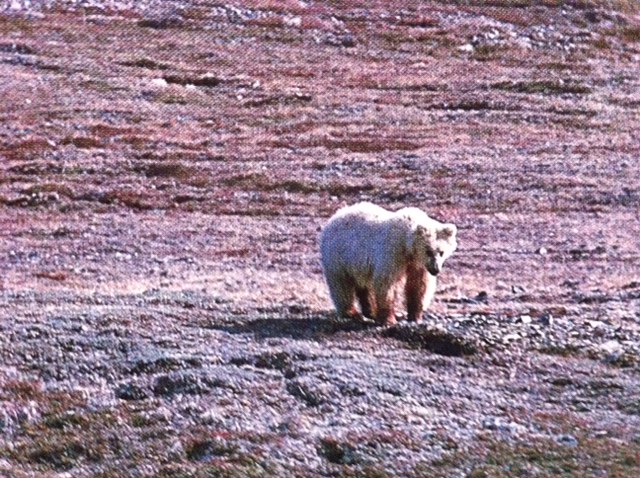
(166, 167)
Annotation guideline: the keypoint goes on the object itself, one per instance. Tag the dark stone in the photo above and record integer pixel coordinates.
(161, 23)
(207, 449)
(162, 363)
(336, 452)
(184, 383)
(130, 391)
(205, 80)
(348, 41)
(307, 391)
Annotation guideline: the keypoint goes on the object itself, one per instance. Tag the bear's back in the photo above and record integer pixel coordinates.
(354, 227)
(415, 214)
(364, 210)
(358, 237)
(362, 227)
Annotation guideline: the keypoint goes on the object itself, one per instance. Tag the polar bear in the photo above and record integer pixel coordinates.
(368, 252)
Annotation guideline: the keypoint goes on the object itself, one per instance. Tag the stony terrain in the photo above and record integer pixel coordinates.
(165, 167)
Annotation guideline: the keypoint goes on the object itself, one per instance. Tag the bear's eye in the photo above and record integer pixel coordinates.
(440, 253)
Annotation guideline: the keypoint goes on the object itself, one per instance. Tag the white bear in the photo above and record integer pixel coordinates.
(368, 252)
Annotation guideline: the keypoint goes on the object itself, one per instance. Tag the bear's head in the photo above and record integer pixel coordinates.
(434, 244)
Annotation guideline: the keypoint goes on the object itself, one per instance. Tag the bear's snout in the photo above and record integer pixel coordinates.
(433, 269)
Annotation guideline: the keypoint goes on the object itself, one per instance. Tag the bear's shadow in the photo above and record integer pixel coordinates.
(298, 328)
(319, 327)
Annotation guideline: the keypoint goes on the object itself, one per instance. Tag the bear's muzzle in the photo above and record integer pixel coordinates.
(433, 269)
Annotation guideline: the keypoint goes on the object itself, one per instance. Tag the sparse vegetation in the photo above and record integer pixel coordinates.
(631, 33)
(145, 63)
(553, 87)
(168, 170)
(488, 52)
(545, 456)
(204, 80)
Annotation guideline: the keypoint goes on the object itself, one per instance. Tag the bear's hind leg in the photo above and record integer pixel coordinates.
(365, 297)
(342, 291)
(415, 292)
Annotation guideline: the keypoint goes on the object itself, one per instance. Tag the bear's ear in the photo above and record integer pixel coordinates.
(448, 231)
(422, 231)
(416, 236)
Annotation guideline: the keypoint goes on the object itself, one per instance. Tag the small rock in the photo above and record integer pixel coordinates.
(583, 407)
(518, 289)
(131, 391)
(510, 338)
(337, 451)
(524, 319)
(158, 83)
(348, 41)
(568, 440)
(542, 251)
(591, 16)
(176, 451)
(498, 424)
(352, 390)
(546, 319)
(294, 424)
(482, 296)
(183, 383)
(212, 417)
(613, 350)
(468, 48)
(491, 423)
(208, 449)
(309, 390)
(293, 21)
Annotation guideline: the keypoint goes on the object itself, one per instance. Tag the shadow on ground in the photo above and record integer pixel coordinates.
(311, 328)
(320, 327)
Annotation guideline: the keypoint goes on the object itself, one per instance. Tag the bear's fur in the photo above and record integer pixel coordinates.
(368, 251)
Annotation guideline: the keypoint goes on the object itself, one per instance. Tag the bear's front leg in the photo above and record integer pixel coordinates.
(386, 315)
(385, 301)
(415, 291)
(431, 290)
(352, 313)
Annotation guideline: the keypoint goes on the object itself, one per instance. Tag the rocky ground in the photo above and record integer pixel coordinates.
(166, 167)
